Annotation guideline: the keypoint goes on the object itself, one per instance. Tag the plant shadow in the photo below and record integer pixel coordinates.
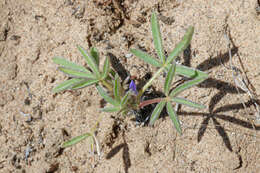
(223, 88)
(217, 115)
(118, 67)
(125, 155)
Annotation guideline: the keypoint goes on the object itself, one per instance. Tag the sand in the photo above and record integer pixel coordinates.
(34, 122)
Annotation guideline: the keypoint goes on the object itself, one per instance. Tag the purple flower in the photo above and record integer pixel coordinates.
(132, 87)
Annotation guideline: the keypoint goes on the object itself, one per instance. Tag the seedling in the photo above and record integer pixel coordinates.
(123, 100)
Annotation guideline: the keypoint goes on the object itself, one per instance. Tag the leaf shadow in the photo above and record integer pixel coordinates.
(216, 61)
(221, 131)
(126, 155)
(187, 56)
(216, 115)
(114, 151)
(118, 67)
(223, 88)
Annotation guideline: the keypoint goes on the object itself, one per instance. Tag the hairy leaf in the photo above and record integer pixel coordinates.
(85, 83)
(157, 38)
(189, 72)
(117, 89)
(111, 109)
(106, 68)
(95, 55)
(67, 84)
(173, 117)
(156, 112)
(76, 140)
(186, 85)
(169, 78)
(182, 45)
(187, 103)
(146, 57)
(107, 98)
(68, 64)
(125, 99)
(90, 61)
(75, 73)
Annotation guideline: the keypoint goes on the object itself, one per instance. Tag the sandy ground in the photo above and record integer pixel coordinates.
(220, 138)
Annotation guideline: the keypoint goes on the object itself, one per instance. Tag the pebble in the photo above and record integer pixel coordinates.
(129, 55)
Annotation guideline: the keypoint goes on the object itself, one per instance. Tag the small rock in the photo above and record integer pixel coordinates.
(129, 55)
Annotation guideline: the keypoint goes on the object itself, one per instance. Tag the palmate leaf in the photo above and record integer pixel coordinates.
(146, 57)
(75, 73)
(187, 103)
(68, 64)
(169, 78)
(157, 38)
(67, 84)
(75, 140)
(156, 112)
(90, 61)
(182, 45)
(173, 117)
(186, 85)
(107, 98)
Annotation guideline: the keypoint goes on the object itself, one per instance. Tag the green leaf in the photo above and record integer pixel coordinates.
(169, 78)
(189, 72)
(67, 84)
(174, 117)
(187, 103)
(106, 68)
(156, 112)
(94, 54)
(182, 45)
(75, 73)
(90, 61)
(84, 83)
(117, 89)
(68, 64)
(125, 99)
(75, 140)
(111, 109)
(107, 98)
(157, 38)
(146, 57)
(186, 85)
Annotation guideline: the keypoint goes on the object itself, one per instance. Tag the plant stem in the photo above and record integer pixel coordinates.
(150, 81)
(151, 101)
(97, 145)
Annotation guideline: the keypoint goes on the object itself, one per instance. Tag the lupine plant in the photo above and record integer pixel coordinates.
(124, 100)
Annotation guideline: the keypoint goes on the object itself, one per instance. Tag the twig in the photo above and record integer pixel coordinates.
(241, 82)
(97, 145)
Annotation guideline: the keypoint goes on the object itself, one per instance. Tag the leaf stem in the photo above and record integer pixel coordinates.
(151, 101)
(150, 81)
